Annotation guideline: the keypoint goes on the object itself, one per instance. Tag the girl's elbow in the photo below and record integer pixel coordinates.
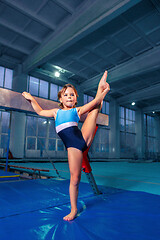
(40, 113)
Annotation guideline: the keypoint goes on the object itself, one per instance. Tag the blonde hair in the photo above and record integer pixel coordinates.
(63, 91)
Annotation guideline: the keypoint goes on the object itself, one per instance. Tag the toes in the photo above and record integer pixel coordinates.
(104, 75)
(69, 217)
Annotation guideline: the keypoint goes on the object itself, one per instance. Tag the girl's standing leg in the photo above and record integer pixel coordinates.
(75, 157)
(75, 165)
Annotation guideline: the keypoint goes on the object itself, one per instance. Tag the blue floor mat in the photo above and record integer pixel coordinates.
(34, 210)
(8, 176)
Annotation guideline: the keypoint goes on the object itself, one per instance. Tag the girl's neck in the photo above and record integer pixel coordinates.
(66, 108)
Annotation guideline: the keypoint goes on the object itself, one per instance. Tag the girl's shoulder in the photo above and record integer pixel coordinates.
(78, 111)
(55, 110)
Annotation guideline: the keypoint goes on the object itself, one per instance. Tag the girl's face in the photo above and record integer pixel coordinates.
(68, 98)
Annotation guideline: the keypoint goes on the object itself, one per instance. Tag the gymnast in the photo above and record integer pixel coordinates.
(75, 140)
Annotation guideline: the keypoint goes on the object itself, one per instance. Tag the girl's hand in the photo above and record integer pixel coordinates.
(107, 88)
(99, 98)
(105, 91)
(27, 96)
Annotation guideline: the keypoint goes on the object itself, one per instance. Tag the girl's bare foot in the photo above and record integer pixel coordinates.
(102, 83)
(71, 215)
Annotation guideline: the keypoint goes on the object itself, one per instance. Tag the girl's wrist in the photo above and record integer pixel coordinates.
(98, 99)
(32, 99)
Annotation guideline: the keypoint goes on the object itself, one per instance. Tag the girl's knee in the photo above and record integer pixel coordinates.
(75, 180)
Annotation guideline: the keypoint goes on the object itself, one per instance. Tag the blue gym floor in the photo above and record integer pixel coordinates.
(128, 208)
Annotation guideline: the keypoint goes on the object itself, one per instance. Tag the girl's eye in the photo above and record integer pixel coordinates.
(72, 94)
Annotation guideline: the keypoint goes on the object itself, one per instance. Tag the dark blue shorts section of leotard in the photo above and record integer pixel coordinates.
(72, 137)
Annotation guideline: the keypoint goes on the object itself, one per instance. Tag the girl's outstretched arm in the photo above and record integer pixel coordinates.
(37, 108)
(94, 103)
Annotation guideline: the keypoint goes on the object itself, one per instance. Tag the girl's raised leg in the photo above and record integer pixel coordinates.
(89, 126)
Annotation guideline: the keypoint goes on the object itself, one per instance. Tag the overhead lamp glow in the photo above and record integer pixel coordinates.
(133, 103)
(57, 74)
(153, 112)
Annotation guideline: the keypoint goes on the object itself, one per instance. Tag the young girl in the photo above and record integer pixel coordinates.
(76, 141)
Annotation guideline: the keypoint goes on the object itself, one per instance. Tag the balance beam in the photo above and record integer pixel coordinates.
(26, 168)
(14, 101)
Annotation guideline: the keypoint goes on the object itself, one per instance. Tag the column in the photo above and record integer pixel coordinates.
(19, 80)
(139, 129)
(157, 134)
(80, 96)
(114, 135)
(17, 136)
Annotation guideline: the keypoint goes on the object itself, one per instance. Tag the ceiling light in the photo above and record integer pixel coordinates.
(57, 74)
(153, 112)
(133, 103)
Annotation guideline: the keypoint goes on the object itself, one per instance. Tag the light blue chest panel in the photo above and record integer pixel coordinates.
(66, 118)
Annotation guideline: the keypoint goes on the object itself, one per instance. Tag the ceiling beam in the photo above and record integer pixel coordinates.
(64, 5)
(143, 63)
(156, 3)
(17, 48)
(91, 16)
(138, 31)
(155, 108)
(45, 73)
(8, 61)
(139, 95)
(31, 14)
(14, 28)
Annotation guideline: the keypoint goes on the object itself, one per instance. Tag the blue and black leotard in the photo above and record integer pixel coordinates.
(67, 128)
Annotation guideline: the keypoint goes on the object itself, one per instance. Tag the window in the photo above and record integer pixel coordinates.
(105, 107)
(4, 130)
(150, 134)
(41, 135)
(101, 140)
(127, 130)
(44, 89)
(33, 86)
(87, 98)
(6, 77)
(52, 139)
(38, 87)
(54, 89)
